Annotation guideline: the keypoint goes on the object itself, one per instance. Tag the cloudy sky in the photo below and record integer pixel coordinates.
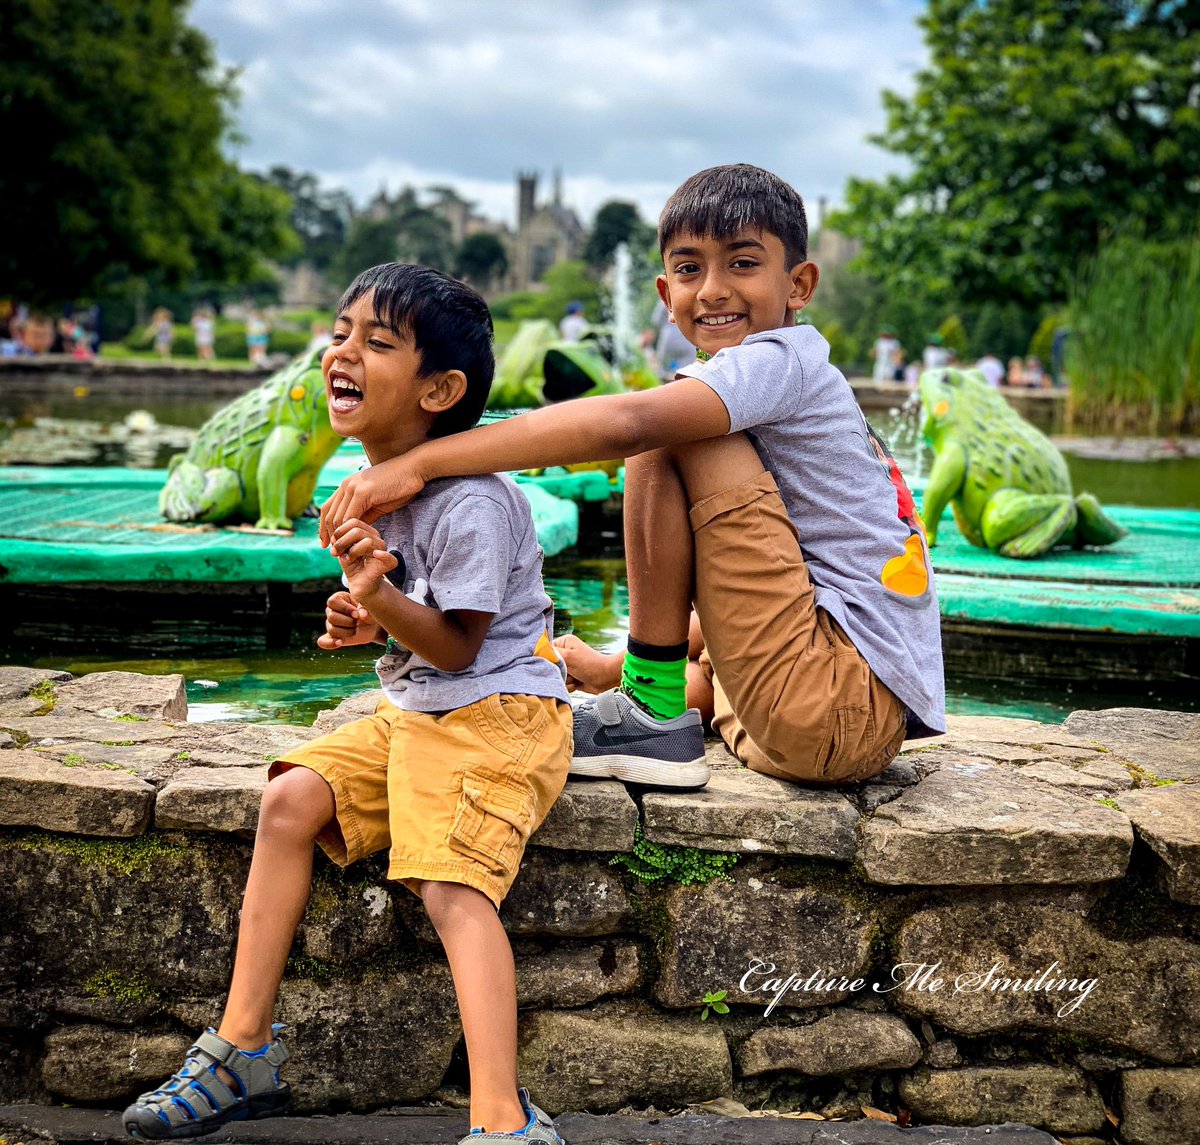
(627, 97)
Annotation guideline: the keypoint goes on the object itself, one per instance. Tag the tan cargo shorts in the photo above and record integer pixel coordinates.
(454, 796)
(793, 696)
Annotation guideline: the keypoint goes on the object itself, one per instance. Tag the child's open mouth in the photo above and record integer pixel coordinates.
(344, 395)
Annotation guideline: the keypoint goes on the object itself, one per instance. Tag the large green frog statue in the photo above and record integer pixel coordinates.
(258, 458)
(1009, 487)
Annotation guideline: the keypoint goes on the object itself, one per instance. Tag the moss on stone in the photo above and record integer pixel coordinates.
(132, 719)
(125, 856)
(116, 743)
(21, 737)
(125, 987)
(47, 694)
(1143, 776)
(73, 760)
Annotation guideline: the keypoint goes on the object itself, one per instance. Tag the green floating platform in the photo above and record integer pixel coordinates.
(70, 526)
(1147, 584)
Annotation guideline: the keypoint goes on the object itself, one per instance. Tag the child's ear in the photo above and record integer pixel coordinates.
(664, 291)
(443, 391)
(805, 277)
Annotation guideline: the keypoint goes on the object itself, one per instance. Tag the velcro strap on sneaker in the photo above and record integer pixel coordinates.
(607, 710)
(277, 1053)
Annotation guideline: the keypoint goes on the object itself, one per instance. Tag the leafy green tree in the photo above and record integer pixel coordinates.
(369, 242)
(481, 259)
(120, 110)
(320, 217)
(1038, 125)
(616, 223)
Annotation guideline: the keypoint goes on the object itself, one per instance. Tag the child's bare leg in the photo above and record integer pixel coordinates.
(485, 982)
(658, 549)
(295, 807)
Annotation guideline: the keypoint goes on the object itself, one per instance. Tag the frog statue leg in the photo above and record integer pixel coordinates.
(945, 480)
(1020, 524)
(1095, 527)
(282, 457)
(195, 494)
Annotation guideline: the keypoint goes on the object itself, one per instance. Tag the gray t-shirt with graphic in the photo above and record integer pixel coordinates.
(469, 543)
(870, 568)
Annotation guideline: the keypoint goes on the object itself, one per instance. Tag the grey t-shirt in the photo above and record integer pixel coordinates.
(799, 411)
(469, 543)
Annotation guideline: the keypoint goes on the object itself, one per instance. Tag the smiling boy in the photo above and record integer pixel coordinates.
(465, 753)
(755, 491)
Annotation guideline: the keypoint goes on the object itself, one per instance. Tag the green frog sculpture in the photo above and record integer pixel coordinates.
(258, 458)
(1009, 487)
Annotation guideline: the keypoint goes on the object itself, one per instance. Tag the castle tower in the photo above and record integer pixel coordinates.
(526, 196)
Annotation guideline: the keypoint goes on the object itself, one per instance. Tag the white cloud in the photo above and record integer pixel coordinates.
(628, 97)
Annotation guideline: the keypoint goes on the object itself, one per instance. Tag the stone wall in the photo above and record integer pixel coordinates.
(859, 939)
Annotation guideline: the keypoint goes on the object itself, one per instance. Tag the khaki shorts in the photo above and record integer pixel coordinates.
(454, 795)
(793, 697)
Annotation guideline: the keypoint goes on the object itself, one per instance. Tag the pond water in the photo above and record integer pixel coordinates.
(231, 676)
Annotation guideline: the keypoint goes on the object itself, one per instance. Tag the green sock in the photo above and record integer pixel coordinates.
(656, 683)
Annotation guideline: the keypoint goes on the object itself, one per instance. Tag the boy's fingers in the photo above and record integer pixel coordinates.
(328, 642)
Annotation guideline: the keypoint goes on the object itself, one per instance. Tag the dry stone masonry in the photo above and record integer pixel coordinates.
(1004, 926)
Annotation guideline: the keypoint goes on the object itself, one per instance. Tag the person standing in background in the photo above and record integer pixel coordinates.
(573, 324)
(887, 345)
(204, 326)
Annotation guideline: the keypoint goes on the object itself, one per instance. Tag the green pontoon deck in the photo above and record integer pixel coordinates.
(78, 527)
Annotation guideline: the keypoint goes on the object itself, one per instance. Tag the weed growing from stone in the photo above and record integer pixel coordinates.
(686, 865)
(46, 693)
(73, 760)
(1107, 802)
(714, 1001)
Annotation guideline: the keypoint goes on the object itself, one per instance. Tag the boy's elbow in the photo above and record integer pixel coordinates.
(630, 429)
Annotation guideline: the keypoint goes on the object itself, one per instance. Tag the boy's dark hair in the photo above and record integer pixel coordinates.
(449, 323)
(722, 201)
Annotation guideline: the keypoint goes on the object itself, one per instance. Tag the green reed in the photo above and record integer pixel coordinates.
(1133, 356)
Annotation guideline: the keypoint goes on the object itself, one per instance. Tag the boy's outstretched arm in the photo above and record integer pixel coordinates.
(591, 429)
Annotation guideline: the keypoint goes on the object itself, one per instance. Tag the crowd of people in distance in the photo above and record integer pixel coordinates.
(889, 364)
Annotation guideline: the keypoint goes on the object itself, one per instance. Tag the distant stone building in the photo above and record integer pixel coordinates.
(545, 235)
(829, 249)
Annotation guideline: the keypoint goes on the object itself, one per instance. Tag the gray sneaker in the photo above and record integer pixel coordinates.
(615, 739)
(540, 1129)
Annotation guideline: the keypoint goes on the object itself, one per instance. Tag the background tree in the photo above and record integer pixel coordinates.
(320, 217)
(1038, 125)
(616, 223)
(121, 111)
(481, 259)
(369, 241)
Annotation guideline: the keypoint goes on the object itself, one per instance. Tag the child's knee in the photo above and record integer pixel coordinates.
(444, 902)
(298, 802)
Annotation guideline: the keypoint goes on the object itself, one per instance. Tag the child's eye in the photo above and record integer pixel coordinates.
(378, 344)
(686, 268)
(744, 263)
(338, 337)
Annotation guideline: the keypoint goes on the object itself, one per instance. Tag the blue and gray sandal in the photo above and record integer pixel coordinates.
(539, 1130)
(196, 1101)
